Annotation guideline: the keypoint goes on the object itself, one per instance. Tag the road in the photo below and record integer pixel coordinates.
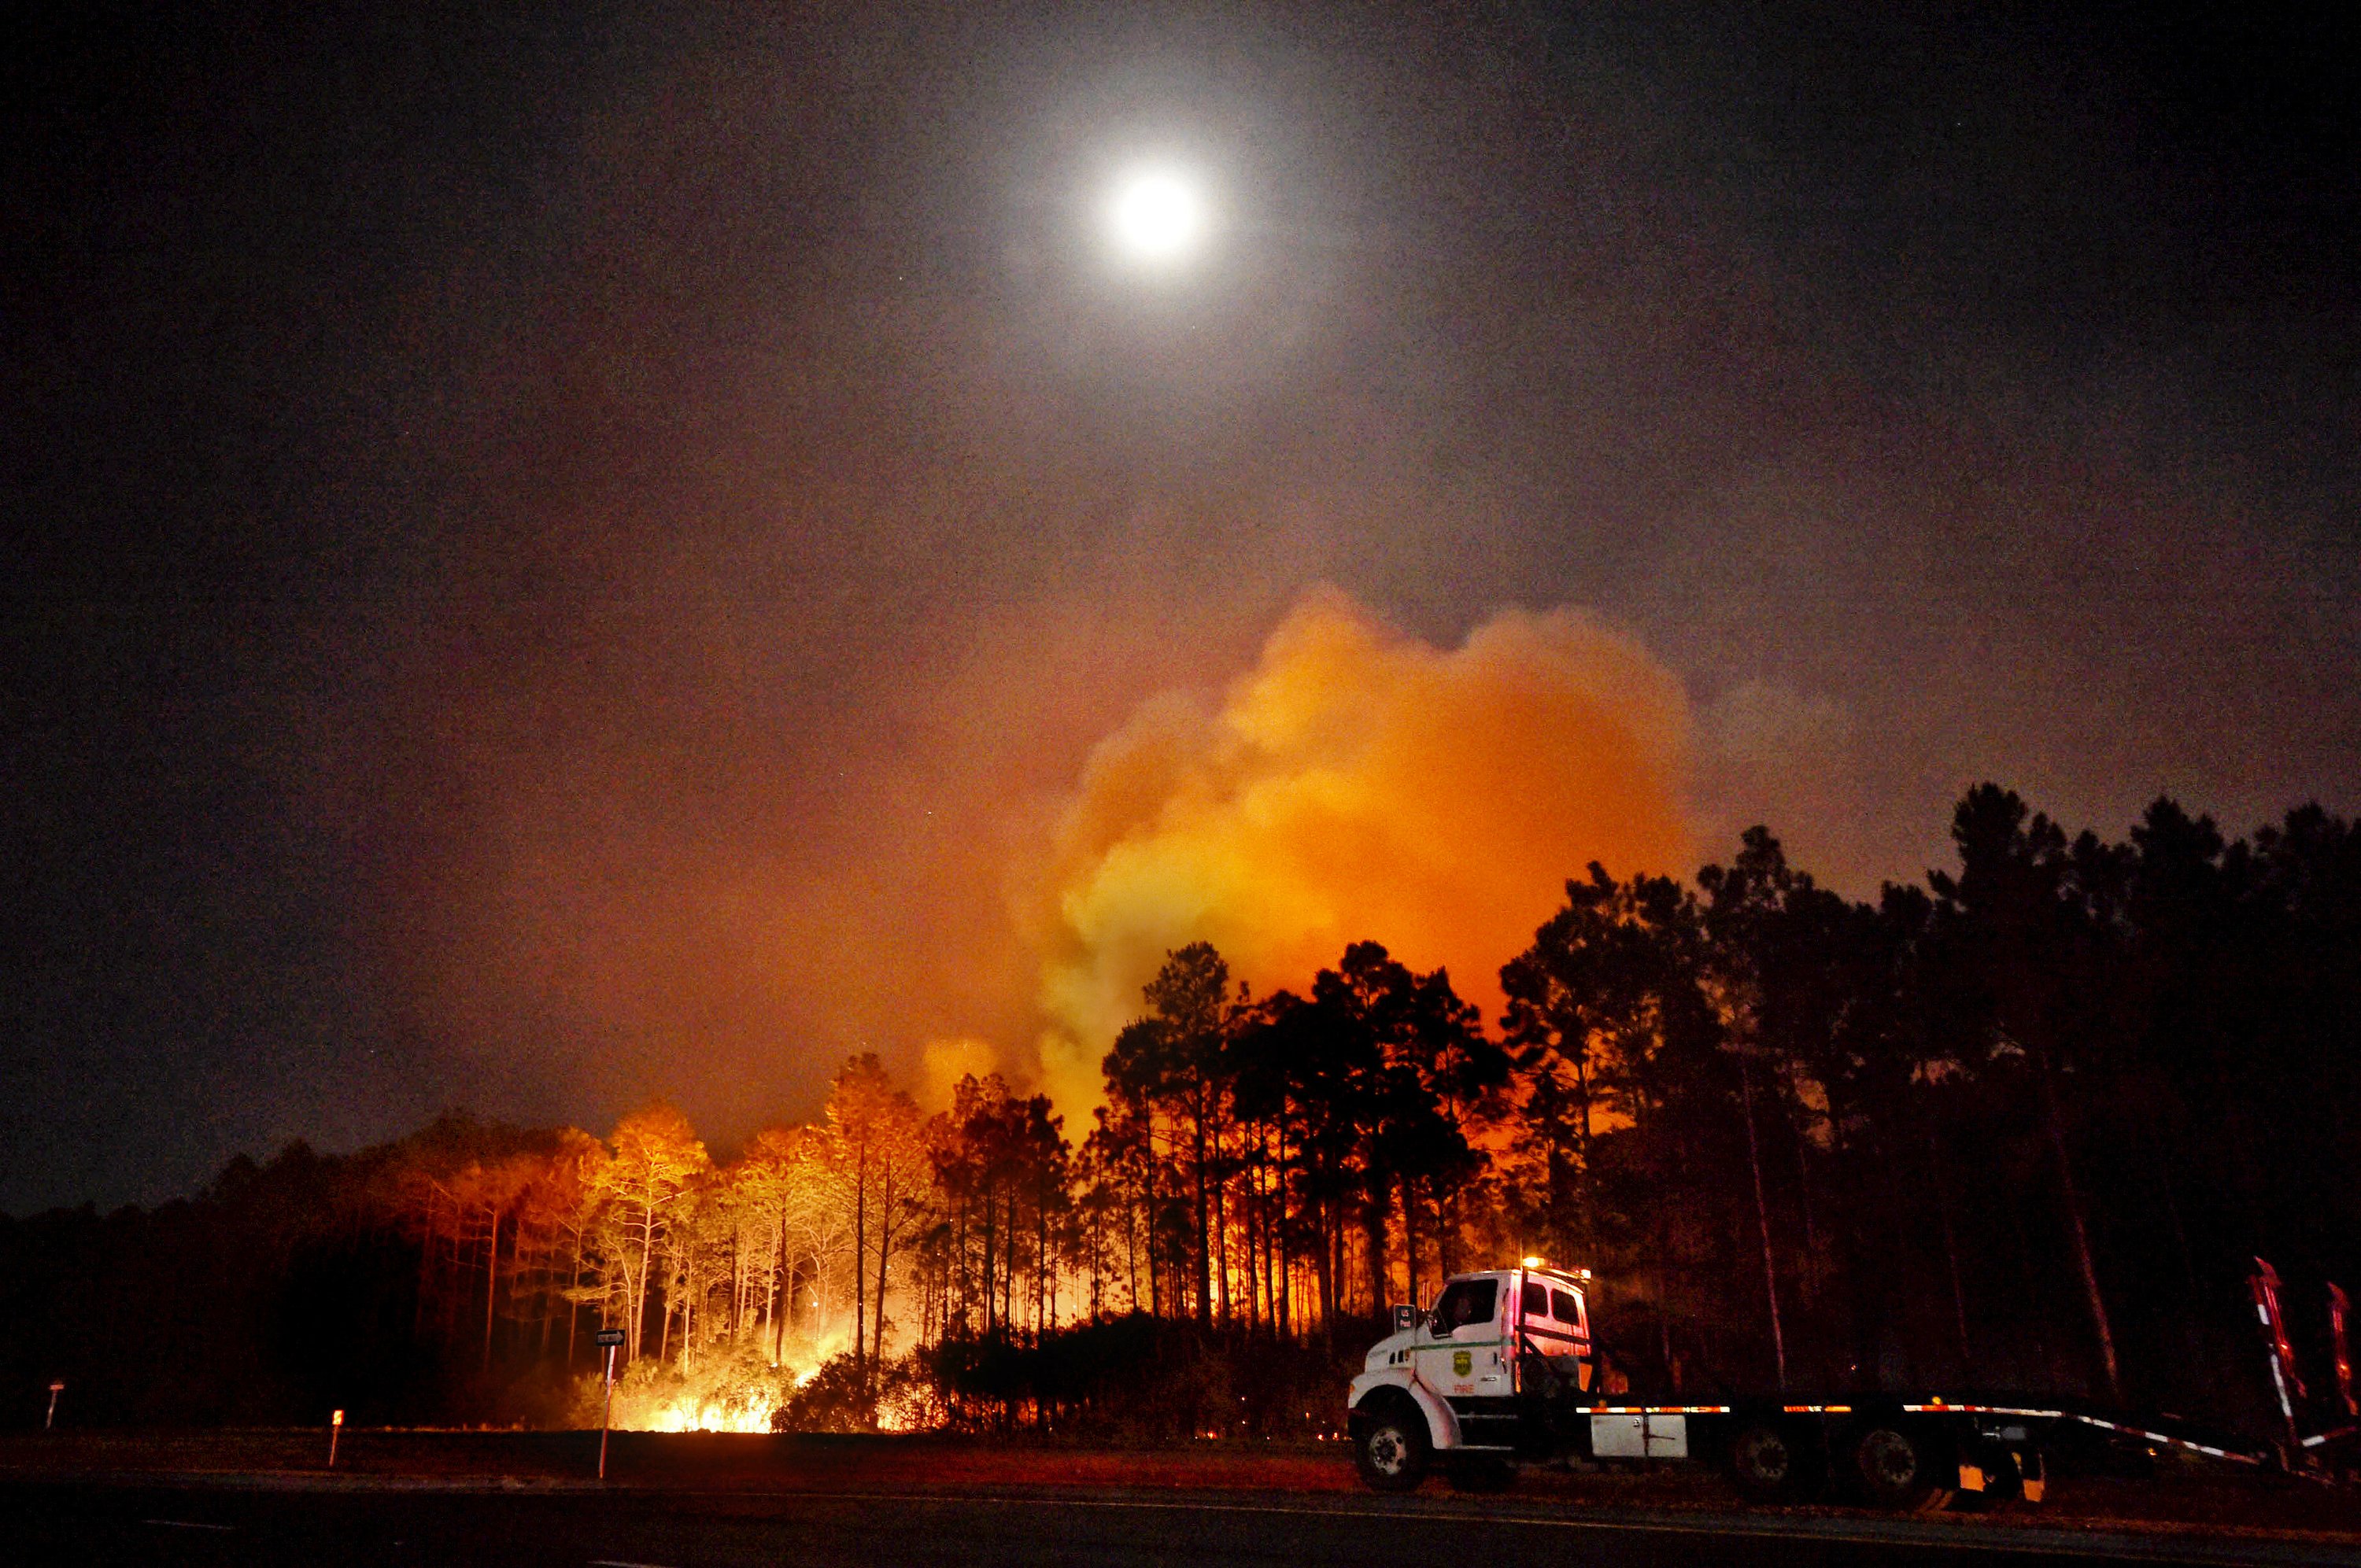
(47, 1522)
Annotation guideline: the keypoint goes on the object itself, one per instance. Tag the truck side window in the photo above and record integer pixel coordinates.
(1569, 1309)
(1468, 1301)
(1536, 1298)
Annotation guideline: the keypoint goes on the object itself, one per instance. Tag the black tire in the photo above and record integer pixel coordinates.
(1480, 1475)
(1390, 1447)
(1774, 1462)
(1898, 1464)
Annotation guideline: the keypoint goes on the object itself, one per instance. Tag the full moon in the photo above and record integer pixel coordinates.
(1157, 216)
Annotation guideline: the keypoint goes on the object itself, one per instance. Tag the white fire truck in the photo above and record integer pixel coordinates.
(1502, 1370)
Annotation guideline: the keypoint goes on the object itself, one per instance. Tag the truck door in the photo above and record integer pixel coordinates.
(1460, 1354)
(1552, 1339)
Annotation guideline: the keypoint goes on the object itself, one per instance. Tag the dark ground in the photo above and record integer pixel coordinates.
(519, 1500)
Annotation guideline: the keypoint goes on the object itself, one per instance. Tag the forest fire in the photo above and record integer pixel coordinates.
(1678, 1065)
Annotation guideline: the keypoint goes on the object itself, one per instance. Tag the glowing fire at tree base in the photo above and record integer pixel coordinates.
(722, 1392)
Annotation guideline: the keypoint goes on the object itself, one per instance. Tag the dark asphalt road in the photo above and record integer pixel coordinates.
(46, 1523)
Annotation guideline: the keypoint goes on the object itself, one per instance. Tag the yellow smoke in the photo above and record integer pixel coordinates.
(942, 1063)
(1358, 783)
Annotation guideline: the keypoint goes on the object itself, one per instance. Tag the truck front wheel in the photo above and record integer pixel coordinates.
(1391, 1449)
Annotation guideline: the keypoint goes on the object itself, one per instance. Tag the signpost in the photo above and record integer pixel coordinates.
(608, 1339)
(50, 1421)
(335, 1426)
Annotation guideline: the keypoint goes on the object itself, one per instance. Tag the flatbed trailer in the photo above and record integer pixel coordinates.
(1501, 1372)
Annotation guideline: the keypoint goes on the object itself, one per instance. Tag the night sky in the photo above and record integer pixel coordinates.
(566, 555)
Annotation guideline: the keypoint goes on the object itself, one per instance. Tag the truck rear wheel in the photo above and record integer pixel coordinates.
(1774, 1462)
(1895, 1465)
(1391, 1450)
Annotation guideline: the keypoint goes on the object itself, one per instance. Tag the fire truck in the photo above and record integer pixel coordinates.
(1502, 1371)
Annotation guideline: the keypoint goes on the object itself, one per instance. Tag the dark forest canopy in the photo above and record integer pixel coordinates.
(2023, 1127)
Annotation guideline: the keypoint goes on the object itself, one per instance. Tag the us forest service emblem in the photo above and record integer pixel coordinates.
(1463, 1361)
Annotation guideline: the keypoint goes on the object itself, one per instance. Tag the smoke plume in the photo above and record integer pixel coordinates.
(1357, 782)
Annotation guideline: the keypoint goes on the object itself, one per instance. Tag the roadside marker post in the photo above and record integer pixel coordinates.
(608, 1340)
(50, 1421)
(336, 1428)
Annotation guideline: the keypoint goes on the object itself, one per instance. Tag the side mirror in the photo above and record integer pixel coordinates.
(1405, 1319)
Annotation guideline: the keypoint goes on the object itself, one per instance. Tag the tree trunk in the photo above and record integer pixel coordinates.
(647, 1262)
(1204, 1232)
(1131, 1253)
(1811, 1270)
(991, 1260)
(548, 1295)
(1763, 1224)
(1154, 1275)
(1582, 1124)
(1936, 1166)
(664, 1338)
(773, 1318)
(2054, 1121)
(884, 1248)
(1410, 1240)
(573, 1306)
(1258, 1250)
(1286, 1267)
(860, 1245)
(491, 1283)
(1328, 1268)
(1222, 1235)
(1374, 1219)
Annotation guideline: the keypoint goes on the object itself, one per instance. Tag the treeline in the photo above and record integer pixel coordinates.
(2023, 1126)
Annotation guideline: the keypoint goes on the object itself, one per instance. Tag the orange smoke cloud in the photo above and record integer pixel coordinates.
(1357, 782)
(942, 1063)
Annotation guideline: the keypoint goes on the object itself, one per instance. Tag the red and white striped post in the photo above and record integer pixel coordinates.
(2264, 1285)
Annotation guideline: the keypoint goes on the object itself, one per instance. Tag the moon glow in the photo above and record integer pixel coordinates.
(1157, 216)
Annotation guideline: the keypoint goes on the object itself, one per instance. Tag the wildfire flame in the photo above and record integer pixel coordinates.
(726, 1392)
(687, 1415)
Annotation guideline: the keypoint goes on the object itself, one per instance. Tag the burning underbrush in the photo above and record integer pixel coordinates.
(814, 1385)
(726, 1387)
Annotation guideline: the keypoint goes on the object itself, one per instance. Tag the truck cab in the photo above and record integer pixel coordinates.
(1472, 1377)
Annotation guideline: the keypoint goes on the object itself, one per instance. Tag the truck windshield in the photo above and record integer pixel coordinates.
(1466, 1303)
